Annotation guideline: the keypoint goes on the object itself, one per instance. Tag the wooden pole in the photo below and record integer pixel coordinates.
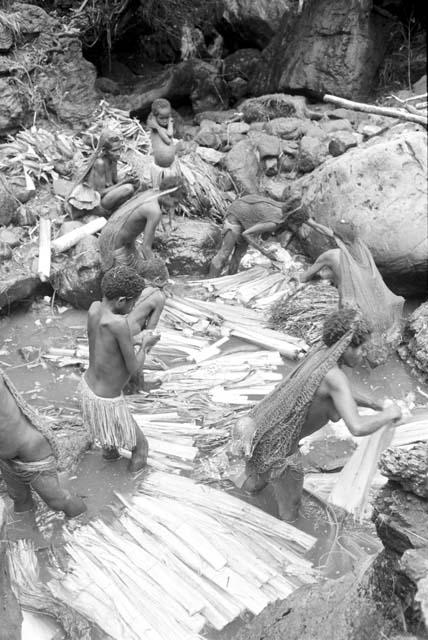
(382, 111)
(68, 240)
(44, 265)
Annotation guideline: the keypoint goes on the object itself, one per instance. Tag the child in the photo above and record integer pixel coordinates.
(161, 127)
(112, 361)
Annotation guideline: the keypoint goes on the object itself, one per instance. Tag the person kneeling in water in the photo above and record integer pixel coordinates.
(112, 361)
(28, 452)
(314, 393)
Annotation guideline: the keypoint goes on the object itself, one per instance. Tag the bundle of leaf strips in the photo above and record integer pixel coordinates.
(203, 194)
(302, 313)
(181, 557)
(33, 595)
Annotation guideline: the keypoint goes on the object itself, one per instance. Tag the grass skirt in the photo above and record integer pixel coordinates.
(109, 419)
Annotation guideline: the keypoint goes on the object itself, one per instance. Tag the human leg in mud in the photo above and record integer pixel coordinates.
(240, 250)
(46, 484)
(48, 487)
(232, 234)
(140, 451)
(287, 490)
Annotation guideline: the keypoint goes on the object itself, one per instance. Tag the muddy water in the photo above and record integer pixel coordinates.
(27, 333)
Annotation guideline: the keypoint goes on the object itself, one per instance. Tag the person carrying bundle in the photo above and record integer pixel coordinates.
(141, 214)
(97, 189)
(247, 216)
(28, 456)
(359, 283)
(112, 361)
(314, 393)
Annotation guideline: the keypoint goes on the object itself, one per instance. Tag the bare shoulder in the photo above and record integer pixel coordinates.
(335, 379)
(330, 256)
(117, 324)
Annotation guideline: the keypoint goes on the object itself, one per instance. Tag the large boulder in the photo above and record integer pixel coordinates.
(18, 276)
(332, 46)
(189, 249)
(381, 186)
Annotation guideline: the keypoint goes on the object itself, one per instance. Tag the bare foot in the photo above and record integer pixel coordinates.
(110, 454)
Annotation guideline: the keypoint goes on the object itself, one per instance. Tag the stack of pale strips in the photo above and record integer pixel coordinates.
(246, 324)
(181, 557)
(224, 372)
(351, 491)
(171, 439)
(257, 285)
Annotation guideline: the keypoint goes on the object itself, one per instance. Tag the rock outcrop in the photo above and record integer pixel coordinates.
(76, 278)
(415, 348)
(381, 187)
(408, 466)
(43, 72)
(332, 47)
(254, 21)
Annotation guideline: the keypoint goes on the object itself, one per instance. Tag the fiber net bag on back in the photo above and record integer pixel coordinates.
(361, 285)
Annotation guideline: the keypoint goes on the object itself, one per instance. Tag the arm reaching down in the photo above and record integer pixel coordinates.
(340, 393)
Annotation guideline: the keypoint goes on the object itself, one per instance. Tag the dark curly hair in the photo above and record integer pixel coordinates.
(153, 268)
(171, 182)
(122, 282)
(160, 103)
(341, 321)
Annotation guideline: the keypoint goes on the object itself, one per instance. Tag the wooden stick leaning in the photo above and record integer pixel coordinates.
(44, 264)
(370, 108)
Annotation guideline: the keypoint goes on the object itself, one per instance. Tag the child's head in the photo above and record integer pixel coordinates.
(121, 286)
(161, 109)
(154, 272)
(340, 322)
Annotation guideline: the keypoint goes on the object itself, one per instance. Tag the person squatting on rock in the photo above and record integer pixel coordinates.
(353, 271)
(28, 452)
(142, 213)
(112, 360)
(314, 393)
(145, 316)
(250, 215)
(97, 189)
(161, 125)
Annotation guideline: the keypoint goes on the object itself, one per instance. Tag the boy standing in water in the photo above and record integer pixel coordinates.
(112, 360)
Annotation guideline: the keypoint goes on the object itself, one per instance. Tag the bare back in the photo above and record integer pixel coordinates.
(136, 215)
(18, 438)
(108, 372)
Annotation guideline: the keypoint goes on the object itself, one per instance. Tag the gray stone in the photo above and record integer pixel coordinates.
(285, 128)
(189, 249)
(10, 237)
(408, 466)
(77, 277)
(330, 126)
(313, 152)
(242, 164)
(415, 350)
(342, 141)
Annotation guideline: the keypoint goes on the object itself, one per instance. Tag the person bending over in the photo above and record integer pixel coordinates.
(112, 360)
(360, 285)
(314, 393)
(140, 214)
(28, 452)
(245, 217)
